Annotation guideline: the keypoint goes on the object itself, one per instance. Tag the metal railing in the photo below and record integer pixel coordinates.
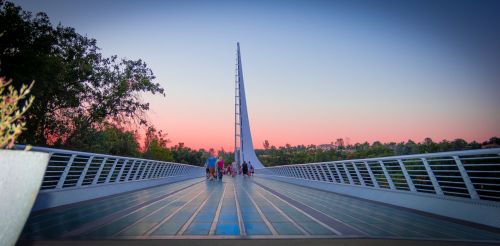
(70, 169)
(472, 174)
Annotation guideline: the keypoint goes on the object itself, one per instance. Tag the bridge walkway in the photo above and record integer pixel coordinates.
(241, 208)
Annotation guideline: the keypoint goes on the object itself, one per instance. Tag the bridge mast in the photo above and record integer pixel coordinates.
(237, 116)
(243, 146)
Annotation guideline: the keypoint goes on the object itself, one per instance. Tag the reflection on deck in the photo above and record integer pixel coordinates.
(241, 208)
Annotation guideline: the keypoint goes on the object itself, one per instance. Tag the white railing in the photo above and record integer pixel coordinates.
(471, 174)
(71, 169)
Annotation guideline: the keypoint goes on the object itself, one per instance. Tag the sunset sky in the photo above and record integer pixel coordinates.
(314, 71)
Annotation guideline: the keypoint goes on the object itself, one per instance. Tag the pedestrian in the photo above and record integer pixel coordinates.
(207, 170)
(251, 169)
(244, 168)
(220, 168)
(229, 170)
(211, 166)
(234, 168)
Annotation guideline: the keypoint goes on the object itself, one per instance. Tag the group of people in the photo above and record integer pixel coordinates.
(215, 169)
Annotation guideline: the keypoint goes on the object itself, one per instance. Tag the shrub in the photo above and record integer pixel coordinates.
(11, 114)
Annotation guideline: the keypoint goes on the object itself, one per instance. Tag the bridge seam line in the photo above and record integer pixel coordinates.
(306, 214)
(117, 198)
(86, 228)
(149, 214)
(217, 213)
(193, 216)
(357, 219)
(266, 221)
(154, 228)
(361, 220)
(422, 233)
(284, 215)
(238, 211)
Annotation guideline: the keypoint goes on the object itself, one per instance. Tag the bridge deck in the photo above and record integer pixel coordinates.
(240, 208)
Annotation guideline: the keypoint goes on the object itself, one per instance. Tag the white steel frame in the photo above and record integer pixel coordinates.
(71, 169)
(441, 174)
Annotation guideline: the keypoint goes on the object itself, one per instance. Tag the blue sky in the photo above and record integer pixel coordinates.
(314, 70)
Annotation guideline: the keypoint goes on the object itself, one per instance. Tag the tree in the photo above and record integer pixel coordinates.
(155, 146)
(77, 89)
(266, 144)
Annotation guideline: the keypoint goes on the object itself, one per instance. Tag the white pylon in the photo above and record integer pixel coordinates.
(243, 146)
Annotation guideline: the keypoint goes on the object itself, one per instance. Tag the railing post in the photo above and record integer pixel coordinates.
(148, 171)
(331, 174)
(338, 173)
(139, 169)
(120, 173)
(160, 169)
(303, 172)
(324, 173)
(468, 183)
(361, 180)
(433, 179)
(347, 173)
(144, 171)
(163, 169)
(108, 178)
(407, 176)
(294, 172)
(372, 177)
(306, 172)
(167, 169)
(60, 183)
(387, 176)
(174, 169)
(96, 177)
(84, 172)
(130, 171)
(171, 168)
(315, 173)
(154, 171)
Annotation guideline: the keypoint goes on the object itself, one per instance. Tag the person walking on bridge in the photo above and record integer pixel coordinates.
(251, 169)
(220, 168)
(244, 168)
(211, 166)
(229, 170)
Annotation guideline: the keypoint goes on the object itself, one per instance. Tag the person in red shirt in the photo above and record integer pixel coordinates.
(220, 168)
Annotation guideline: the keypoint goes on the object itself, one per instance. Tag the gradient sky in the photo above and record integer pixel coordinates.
(314, 70)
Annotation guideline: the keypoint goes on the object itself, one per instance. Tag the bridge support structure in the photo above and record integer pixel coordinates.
(243, 145)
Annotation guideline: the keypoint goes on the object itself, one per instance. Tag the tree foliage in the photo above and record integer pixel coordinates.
(12, 111)
(288, 154)
(111, 139)
(78, 90)
(155, 146)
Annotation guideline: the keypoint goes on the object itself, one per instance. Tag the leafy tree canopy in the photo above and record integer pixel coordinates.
(77, 89)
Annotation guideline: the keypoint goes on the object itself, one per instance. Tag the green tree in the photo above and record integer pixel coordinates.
(155, 146)
(77, 88)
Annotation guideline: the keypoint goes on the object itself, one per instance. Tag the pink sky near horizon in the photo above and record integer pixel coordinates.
(220, 138)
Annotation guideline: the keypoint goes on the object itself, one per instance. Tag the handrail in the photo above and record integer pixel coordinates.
(444, 174)
(73, 169)
(414, 156)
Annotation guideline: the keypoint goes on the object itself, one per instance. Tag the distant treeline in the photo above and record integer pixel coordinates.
(284, 155)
